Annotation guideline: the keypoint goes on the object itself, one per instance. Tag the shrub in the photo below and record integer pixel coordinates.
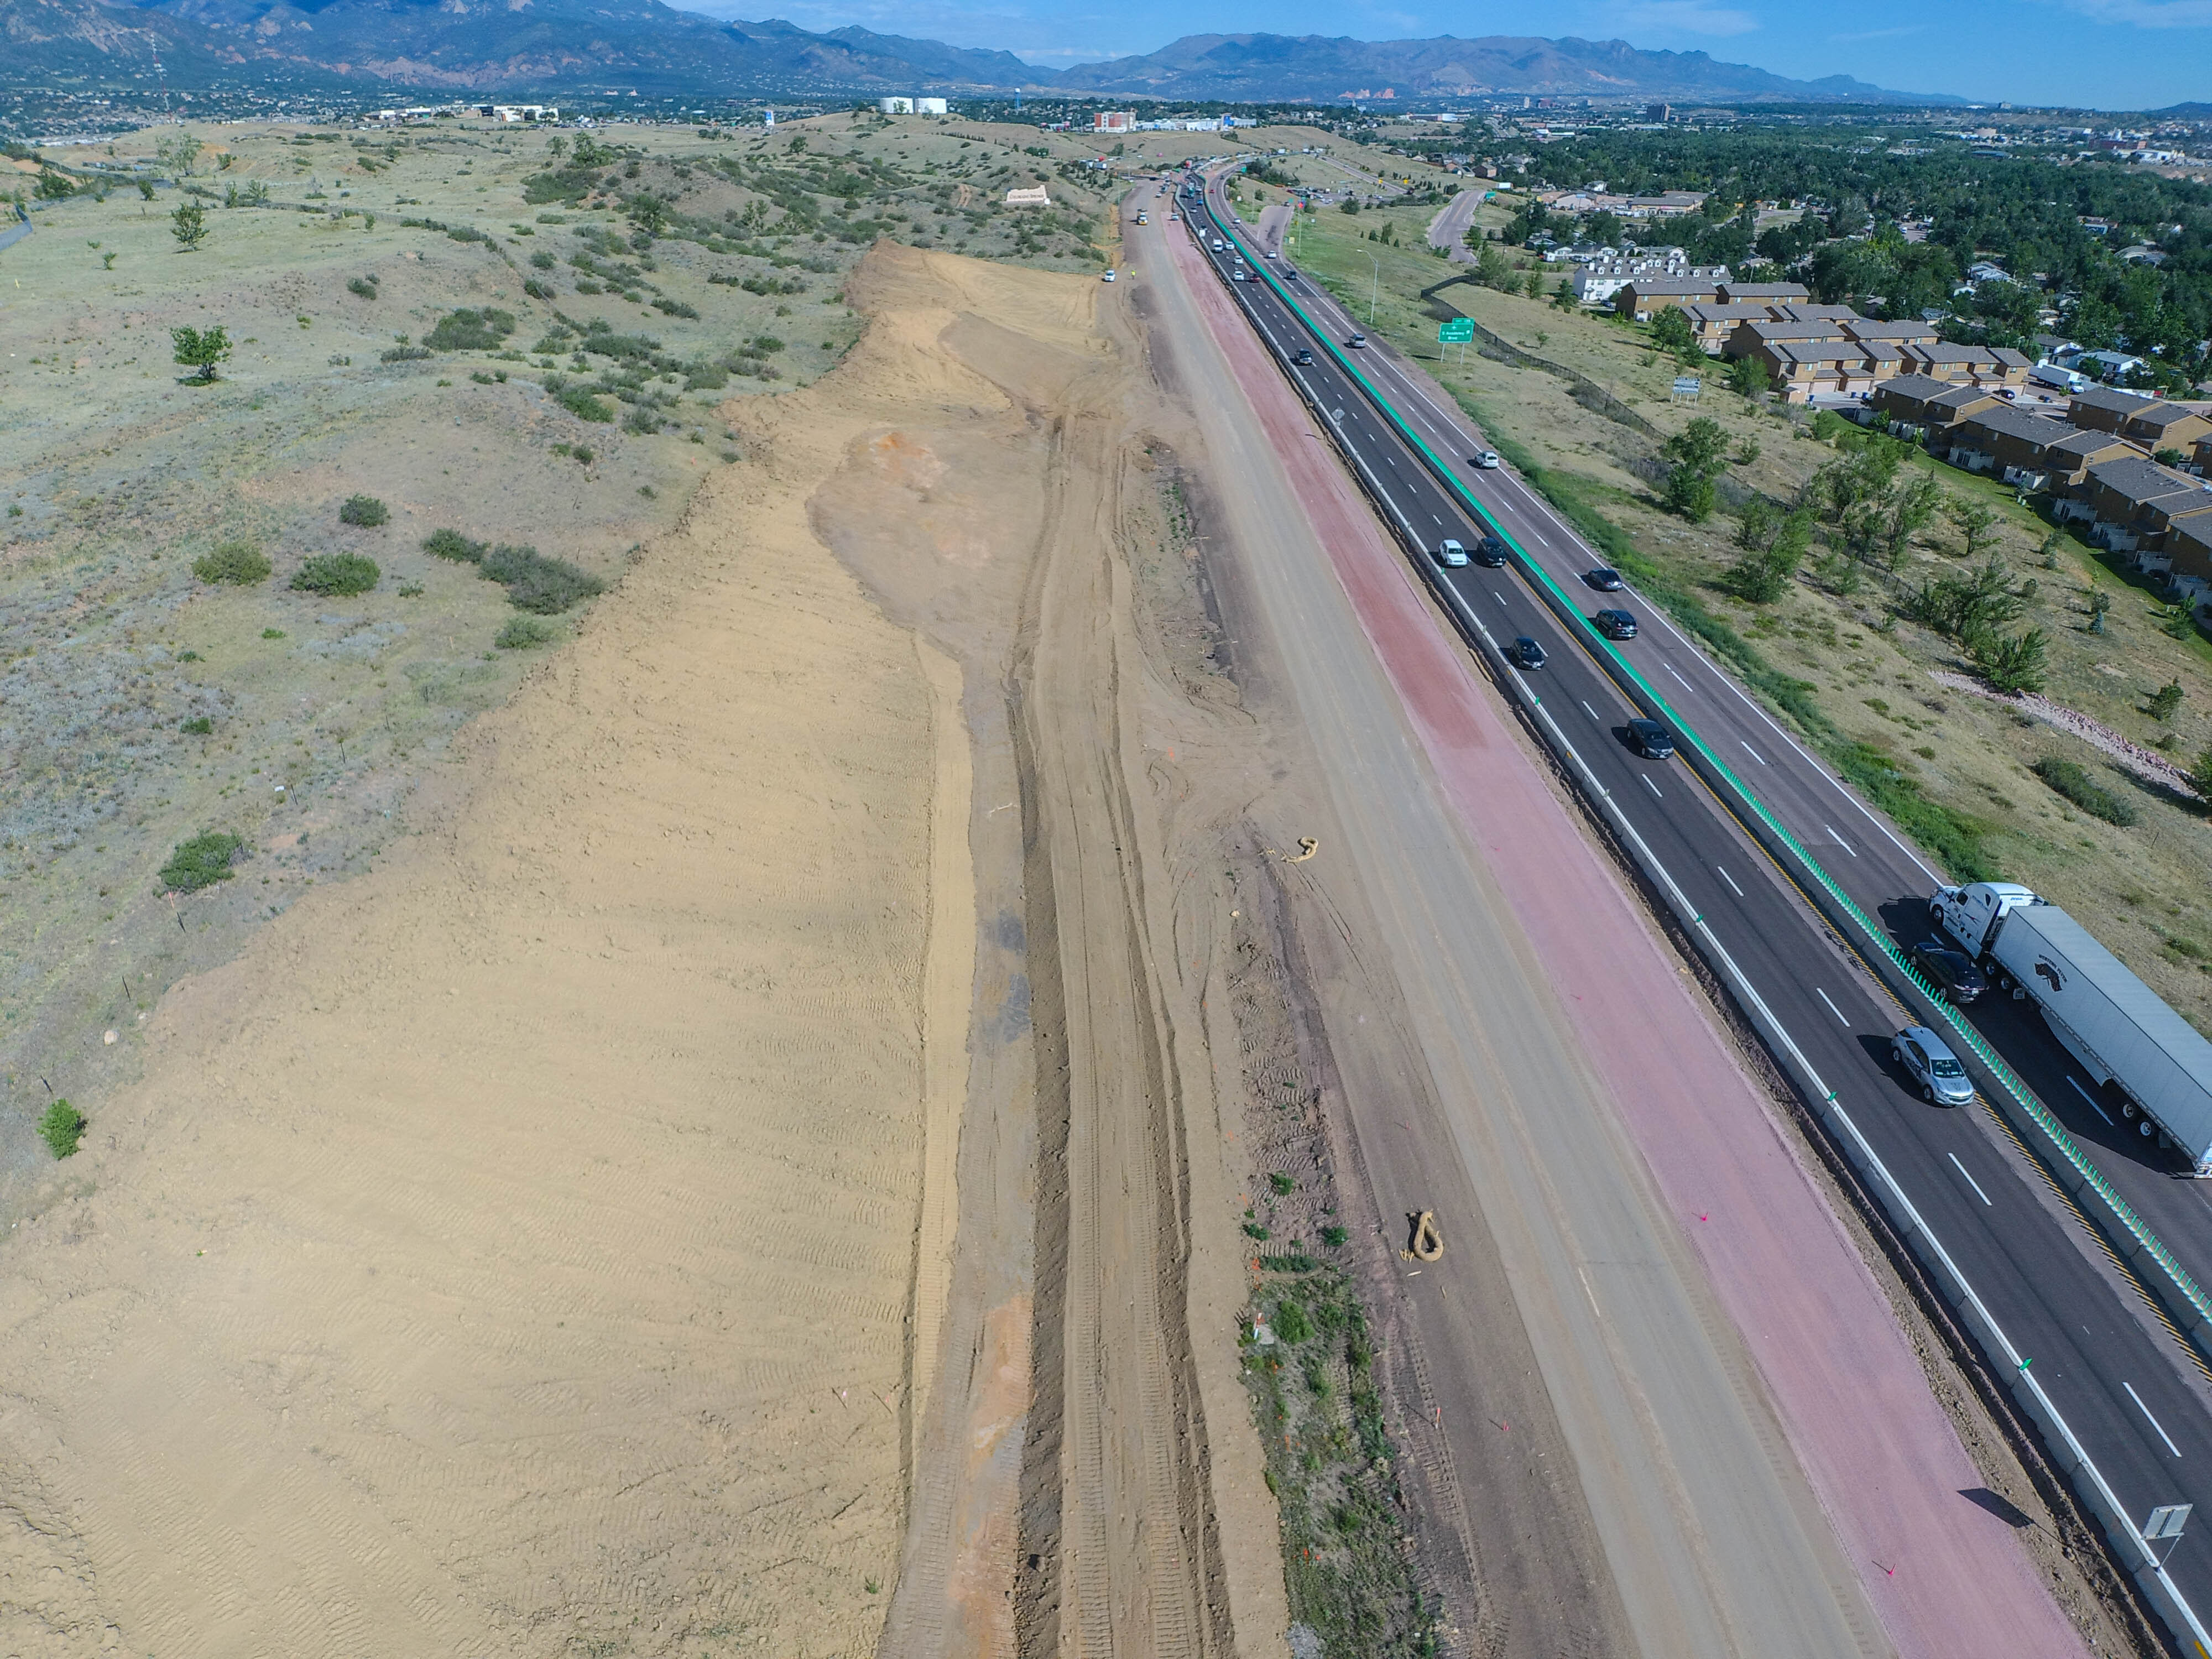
(579, 401)
(364, 286)
(470, 330)
(61, 1129)
(198, 726)
(675, 308)
(1333, 1236)
(536, 289)
(1281, 1183)
(642, 421)
(336, 574)
(1291, 1322)
(2010, 663)
(238, 563)
(2071, 780)
(363, 510)
(408, 353)
(201, 861)
(451, 545)
(522, 632)
(535, 582)
(630, 346)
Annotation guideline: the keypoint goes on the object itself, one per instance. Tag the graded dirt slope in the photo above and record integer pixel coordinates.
(514, 1250)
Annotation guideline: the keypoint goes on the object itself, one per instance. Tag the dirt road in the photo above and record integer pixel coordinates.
(1707, 1539)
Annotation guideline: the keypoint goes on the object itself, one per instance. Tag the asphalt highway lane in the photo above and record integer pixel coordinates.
(2138, 1407)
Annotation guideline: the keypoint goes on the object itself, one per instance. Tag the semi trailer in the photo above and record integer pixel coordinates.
(2120, 1029)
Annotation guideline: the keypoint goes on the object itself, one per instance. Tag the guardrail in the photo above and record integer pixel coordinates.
(2140, 1562)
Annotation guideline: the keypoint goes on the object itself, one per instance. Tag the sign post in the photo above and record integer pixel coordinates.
(1456, 330)
(1688, 386)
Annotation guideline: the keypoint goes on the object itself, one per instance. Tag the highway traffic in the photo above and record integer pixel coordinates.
(2058, 1318)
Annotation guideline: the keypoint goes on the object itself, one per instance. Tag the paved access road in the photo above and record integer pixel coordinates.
(1448, 230)
(2134, 1398)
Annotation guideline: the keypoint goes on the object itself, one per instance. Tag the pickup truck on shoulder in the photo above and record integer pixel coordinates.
(2116, 1025)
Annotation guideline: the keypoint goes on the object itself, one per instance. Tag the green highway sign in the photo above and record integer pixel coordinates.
(1458, 331)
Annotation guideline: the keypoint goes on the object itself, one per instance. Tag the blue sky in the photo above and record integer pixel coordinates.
(2109, 54)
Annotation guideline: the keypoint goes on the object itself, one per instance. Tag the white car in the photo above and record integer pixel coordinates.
(1486, 459)
(1108, 277)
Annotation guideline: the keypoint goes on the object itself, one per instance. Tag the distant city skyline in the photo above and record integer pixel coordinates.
(2105, 54)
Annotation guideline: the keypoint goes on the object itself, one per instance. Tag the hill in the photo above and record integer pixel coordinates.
(1265, 67)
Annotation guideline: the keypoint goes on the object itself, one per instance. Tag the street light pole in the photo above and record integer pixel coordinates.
(1374, 289)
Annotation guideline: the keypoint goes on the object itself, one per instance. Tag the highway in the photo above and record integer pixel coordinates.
(2132, 1394)
(1885, 876)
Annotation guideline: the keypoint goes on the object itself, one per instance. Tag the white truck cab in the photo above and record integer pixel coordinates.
(1971, 914)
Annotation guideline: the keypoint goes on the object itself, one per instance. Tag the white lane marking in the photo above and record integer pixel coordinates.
(1754, 753)
(2091, 1099)
(1591, 712)
(1985, 1197)
(1592, 1295)
(1499, 597)
(1670, 668)
(2148, 1417)
(1832, 1009)
(1730, 880)
(1433, 517)
(1647, 784)
(1838, 839)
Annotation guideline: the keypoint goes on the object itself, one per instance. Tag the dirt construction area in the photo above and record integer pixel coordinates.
(542, 1243)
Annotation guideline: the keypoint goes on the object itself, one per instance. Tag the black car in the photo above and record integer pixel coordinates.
(1651, 739)
(1490, 552)
(1604, 581)
(1301, 357)
(1615, 625)
(1952, 971)
(1525, 653)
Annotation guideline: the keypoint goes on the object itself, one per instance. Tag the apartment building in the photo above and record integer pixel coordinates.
(2152, 423)
(1917, 405)
(1989, 366)
(1769, 294)
(1645, 297)
(2031, 450)
(2132, 505)
(1711, 325)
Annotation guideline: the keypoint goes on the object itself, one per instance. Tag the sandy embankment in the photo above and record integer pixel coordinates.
(513, 1251)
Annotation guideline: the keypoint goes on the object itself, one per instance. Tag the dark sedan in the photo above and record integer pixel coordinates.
(1951, 971)
(1651, 739)
(1615, 625)
(1490, 552)
(1525, 653)
(1604, 581)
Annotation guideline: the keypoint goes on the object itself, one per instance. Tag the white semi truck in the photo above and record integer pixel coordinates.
(2116, 1025)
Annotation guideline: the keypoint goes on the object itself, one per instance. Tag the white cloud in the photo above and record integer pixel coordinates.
(2148, 14)
(1700, 17)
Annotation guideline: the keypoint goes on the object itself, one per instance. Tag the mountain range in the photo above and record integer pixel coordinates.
(581, 48)
(1259, 68)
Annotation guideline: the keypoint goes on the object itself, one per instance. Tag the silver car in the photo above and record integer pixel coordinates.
(1943, 1080)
